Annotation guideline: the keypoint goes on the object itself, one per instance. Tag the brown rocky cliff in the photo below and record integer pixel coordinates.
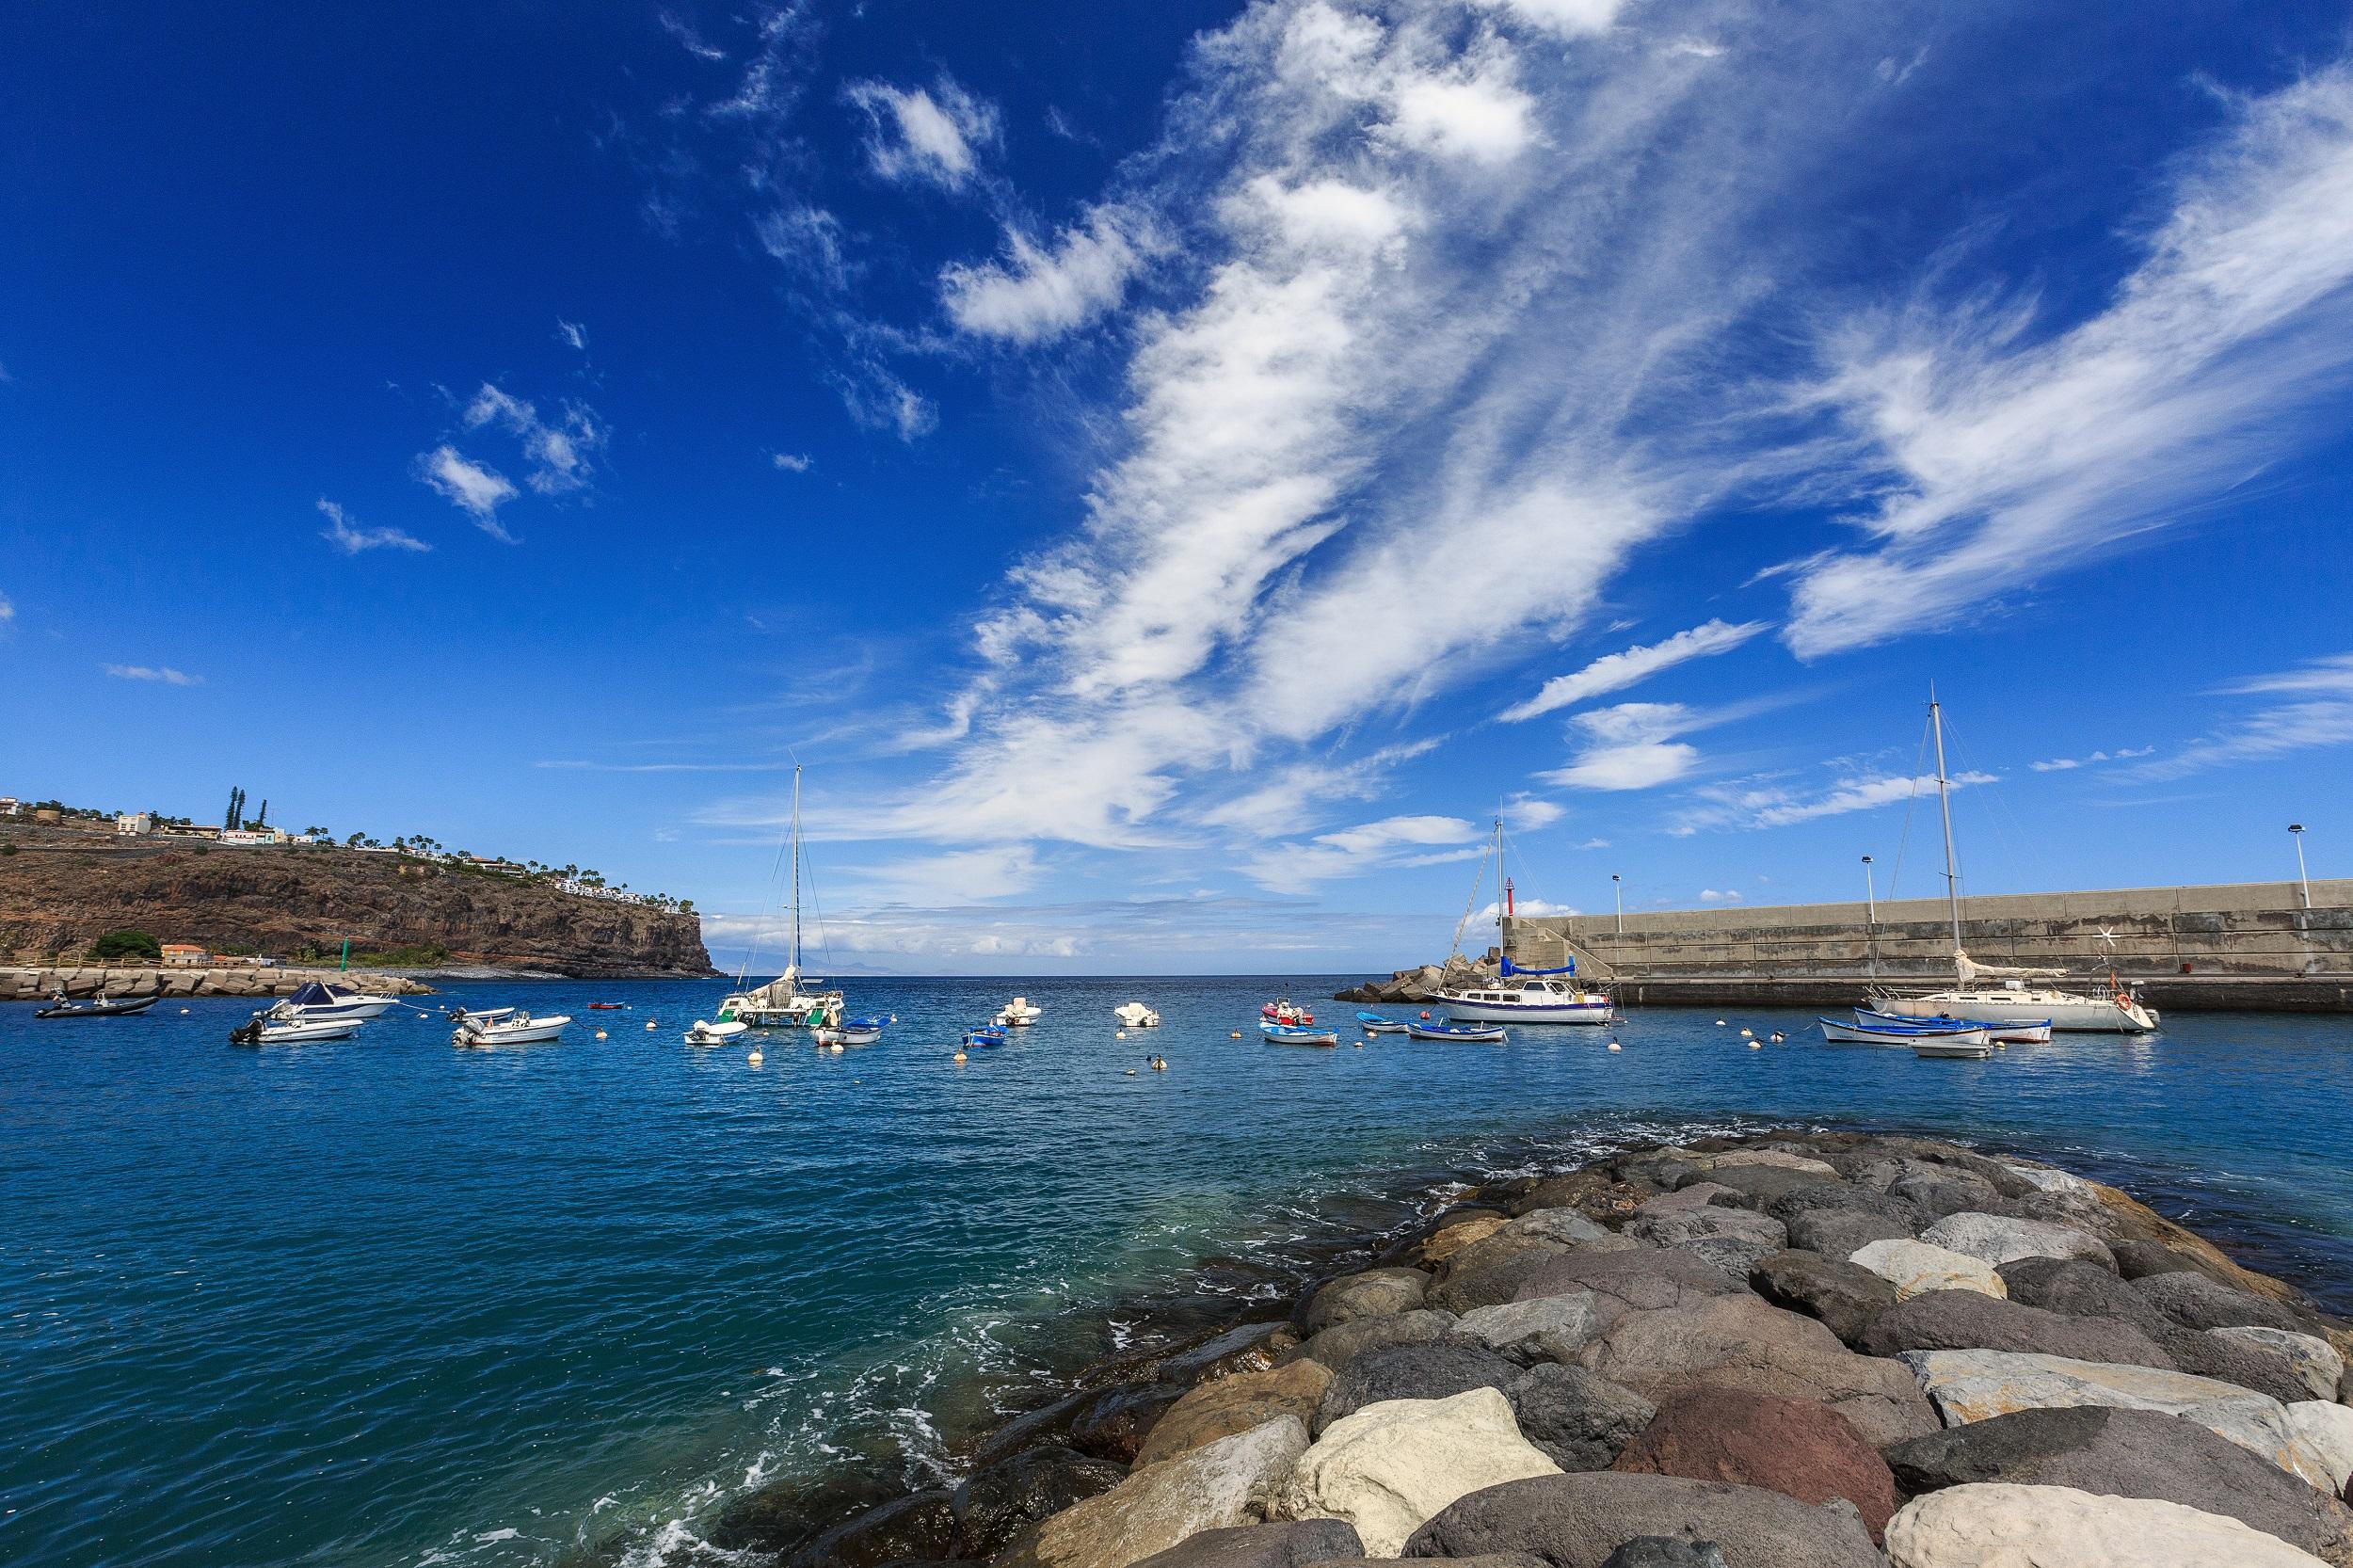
(63, 890)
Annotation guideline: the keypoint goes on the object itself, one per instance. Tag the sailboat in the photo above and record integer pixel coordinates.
(792, 1000)
(1518, 995)
(2008, 998)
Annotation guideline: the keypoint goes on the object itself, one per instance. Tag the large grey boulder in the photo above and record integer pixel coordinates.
(1251, 1348)
(2056, 1527)
(1998, 1239)
(996, 1504)
(1224, 1406)
(1489, 1273)
(1665, 1551)
(2317, 1363)
(2082, 1290)
(1389, 1466)
(2214, 1353)
(2196, 1302)
(2129, 1453)
(1374, 1293)
(1565, 1225)
(1550, 1328)
(1914, 1268)
(1231, 1482)
(2326, 1428)
(1412, 1372)
(1291, 1544)
(1976, 1385)
(1581, 1422)
(1966, 1320)
(1741, 1342)
(1335, 1346)
(1845, 1297)
(1756, 1186)
(1578, 1520)
(1840, 1232)
(1639, 1281)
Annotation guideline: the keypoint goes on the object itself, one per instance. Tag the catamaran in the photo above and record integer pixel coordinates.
(791, 1001)
(1518, 995)
(2010, 998)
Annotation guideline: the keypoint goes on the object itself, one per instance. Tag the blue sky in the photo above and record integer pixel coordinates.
(1173, 474)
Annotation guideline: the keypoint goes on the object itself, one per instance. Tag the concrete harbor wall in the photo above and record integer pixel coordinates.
(2250, 945)
(37, 983)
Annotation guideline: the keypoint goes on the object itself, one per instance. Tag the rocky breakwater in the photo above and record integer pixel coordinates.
(1791, 1351)
(32, 983)
(1423, 984)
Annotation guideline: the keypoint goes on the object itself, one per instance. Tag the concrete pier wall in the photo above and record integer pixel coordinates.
(33, 983)
(2236, 945)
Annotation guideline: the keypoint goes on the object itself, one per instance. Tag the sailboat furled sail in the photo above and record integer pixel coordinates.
(1521, 995)
(2011, 999)
(788, 999)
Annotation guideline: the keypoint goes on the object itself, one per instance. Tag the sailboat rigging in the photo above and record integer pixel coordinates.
(791, 999)
(1518, 995)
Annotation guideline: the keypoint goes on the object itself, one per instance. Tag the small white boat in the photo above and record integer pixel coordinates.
(320, 1001)
(850, 1031)
(1017, 1013)
(1479, 1034)
(504, 1026)
(1954, 1049)
(262, 1029)
(1297, 1034)
(1134, 1015)
(703, 1032)
(1881, 1035)
(2035, 1032)
(1373, 1023)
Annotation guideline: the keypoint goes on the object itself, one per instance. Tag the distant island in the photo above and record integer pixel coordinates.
(70, 879)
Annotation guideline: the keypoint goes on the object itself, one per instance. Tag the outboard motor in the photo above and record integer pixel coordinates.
(247, 1032)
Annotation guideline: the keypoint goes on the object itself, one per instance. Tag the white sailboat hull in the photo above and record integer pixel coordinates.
(2066, 1010)
(1588, 1008)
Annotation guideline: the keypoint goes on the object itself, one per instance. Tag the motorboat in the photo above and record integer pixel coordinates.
(1893, 1035)
(1018, 1013)
(703, 1032)
(1297, 1034)
(1282, 1010)
(2035, 1033)
(2000, 993)
(262, 1029)
(504, 1026)
(1373, 1023)
(608, 1006)
(320, 999)
(984, 1036)
(1950, 1049)
(99, 1007)
(1519, 995)
(850, 1031)
(1471, 1034)
(1134, 1015)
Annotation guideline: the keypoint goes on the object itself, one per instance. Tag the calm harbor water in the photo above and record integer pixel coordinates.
(384, 1302)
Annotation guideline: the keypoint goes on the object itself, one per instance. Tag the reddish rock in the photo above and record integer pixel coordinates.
(1799, 1448)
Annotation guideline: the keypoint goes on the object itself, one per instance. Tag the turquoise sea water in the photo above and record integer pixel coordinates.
(386, 1302)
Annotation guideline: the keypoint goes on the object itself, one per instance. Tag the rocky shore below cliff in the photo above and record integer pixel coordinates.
(1423, 983)
(1792, 1350)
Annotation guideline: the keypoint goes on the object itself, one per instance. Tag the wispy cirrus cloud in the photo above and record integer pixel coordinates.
(1405, 840)
(2321, 715)
(1613, 672)
(474, 489)
(162, 674)
(1756, 803)
(1630, 746)
(2068, 764)
(1040, 290)
(348, 534)
(935, 135)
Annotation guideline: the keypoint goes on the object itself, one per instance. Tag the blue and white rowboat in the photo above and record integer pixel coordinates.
(1297, 1034)
(1476, 1033)
(1375, 1024)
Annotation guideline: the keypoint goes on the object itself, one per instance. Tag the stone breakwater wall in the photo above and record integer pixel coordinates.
(32, 983)
(1787, 1351)
(2233, 946)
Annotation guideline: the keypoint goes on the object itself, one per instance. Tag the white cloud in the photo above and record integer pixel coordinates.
(1630, 747)
(935, 135)
(1478, 114)
(690, 40)
(792, 462)
(1712, 895)
(571, 334)
(1407, 841)
(809, 241)
(1570, 17)
(8, 608)
(957, 876)
(2003, 454)
(1526, 813)
(2322, 717)
(2065, 765)
(1288, 802)
(1764, 802)
(472, 487)
(350, 537)
(1613, 672)
(1038, 292)
(165, 674)
(560, 451)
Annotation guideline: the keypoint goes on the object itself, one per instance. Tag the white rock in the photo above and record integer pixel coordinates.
(2327, 1429)
(1915, 1267)
(2051, 1181)
(2315, 1360)
(1389, 1467)
(1551, 1328)
(1978, 1385)
(1233, 1481)
(1999, 1525)
(1998, 1239)
(1560, 1225)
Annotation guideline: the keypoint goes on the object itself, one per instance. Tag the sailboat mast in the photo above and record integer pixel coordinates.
(1944, 805)
(795, 971)
(1500, 898)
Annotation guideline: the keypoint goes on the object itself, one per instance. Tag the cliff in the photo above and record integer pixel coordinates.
(61, 889)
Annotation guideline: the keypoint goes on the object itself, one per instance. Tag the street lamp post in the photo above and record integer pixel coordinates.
(2295, 830)
(1870, 895)
(1617, 891)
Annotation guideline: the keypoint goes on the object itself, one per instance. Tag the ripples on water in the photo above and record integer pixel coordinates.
(383, 1302)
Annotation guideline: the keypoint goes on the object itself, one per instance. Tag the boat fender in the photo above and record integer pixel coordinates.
(1614, 1045)
(1237, 1033)
(1755, 1045)
(755, 1059)
(959, 1056)
(649, 1024)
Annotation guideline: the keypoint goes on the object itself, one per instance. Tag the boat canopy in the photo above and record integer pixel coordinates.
(312, 995)
(1512, 969)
